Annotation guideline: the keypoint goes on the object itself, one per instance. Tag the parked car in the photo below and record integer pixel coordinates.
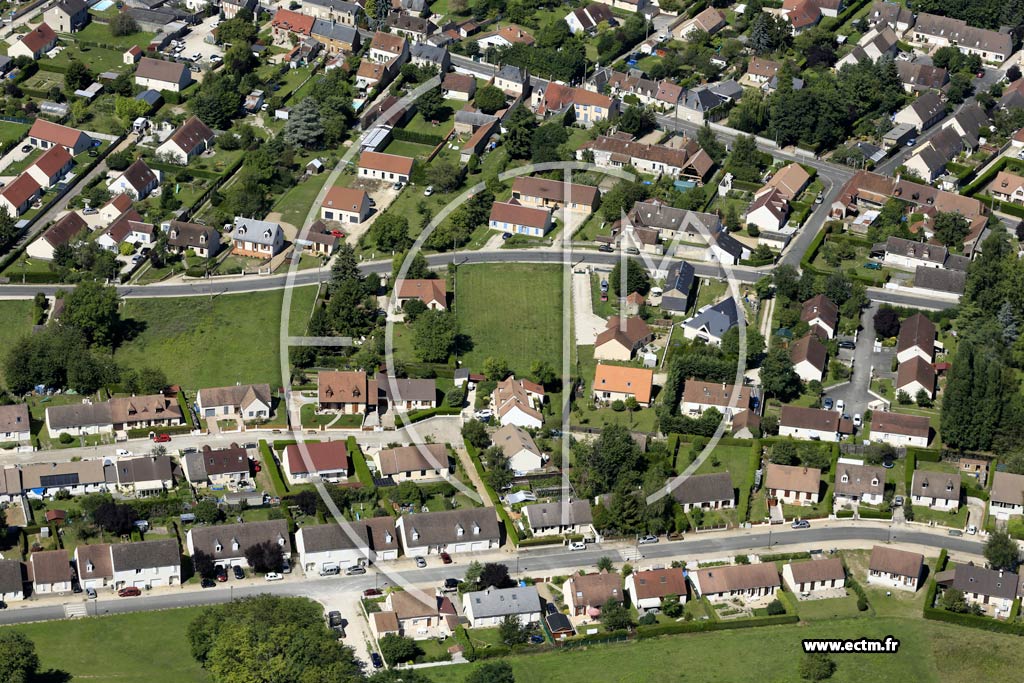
(506, 235)
(420, 562)
(846, 344)
(222, 574)
(840, 405)
(337, 233)
(25, 149)
(286, 565)
(972, 529)
(648, 539)
(955, 532)
(89, 210)
(161, 438)
(536, 639)
(396, 186)
(208, 583)
(577, 545)
(801, 524)
(272, 576)
(450, 585)
(828, 403)
(871, 265)
(606, 248)
(90, 593)
(856, 420)
(376, 660)
(355, 570)
(334, 618)
(446, 558)
(372, 592)
(483, 415)
(897, 501)
(238, 572)
(428, 190)
(550, 608)
(129, 592)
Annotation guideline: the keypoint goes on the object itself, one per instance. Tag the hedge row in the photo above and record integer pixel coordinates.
(144, 432)
(176, 169)
(359, 462)
(867, 513)
(909, 469)
(785, 557)
(185, 411)
(405, 135)
(541, 540)
(268, 458)
(853, 585)
(925, 454)
(643, 632)
(417, 415)
(743, 506)
(510, 530)
(973, 621)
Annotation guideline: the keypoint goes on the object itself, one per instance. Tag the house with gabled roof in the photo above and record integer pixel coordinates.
(858, 483)
(385, 47)
(813, 424)
(586, 19)
(588, 107)
(190, 140)
(68, 16)
(452, 531)
(622, 338)
(347, 392)
(48, 169)
(809, 357)
(821, 315)
(705, 491)
(1007, 495)
(678, 287)
(323, 546)
(793, 485)
(916, 338)
(146, 564)
(62, 232)
(143, 476)
(403, 393)
(387, 167)
(327, 460)
(217, 467)
(699, 396)
(916, 375)
(515, 218)
(893, 568)
(418, 615)
(433, 293)
(410, 26)
(924, 112)
(12, 580)
(545, 193)
(618, 151)
(50, 572)
(649, 588)
(711, 322)
(418, 462)
(287, 23)
(519, 447)
(14, 423)
(491, 606)
(248, 401)
(336, 38)
(345, 205)
(992, 590)
(518, 402)
(34, 43)
(46, 134)
(137, 181)
(258, 239)
(558, 518)
(1007, 187)
(710, 21)
(340, 11)
(745, 582)
(935, 31)
(201, 239)
(587, 594)
(769, 210)
(17, 197)
(936, 490)
(814, 577)
(618, 383)
(95, 565)
(227, 543)
(159, 74)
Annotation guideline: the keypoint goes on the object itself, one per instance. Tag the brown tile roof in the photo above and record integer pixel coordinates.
(376, 533)
(594, 590)
(1008, 488)
(512, 33)
(634, 332)
(711, 393)
(409, 606)
(64, 230)
(426, 291)
(98, 556)
(813, 418)
(344, 199)
(514, 213)
(391, 163)
(87, 471)
(14, 418)
(50, 566)
(458, 82)
(763, 67)
(917, 330)
(192, 134)
(790, 180)
(935, 484)
(738, 577)
(789, 478)
(809, 349)
(228, 460)
(405, 389)
(39, 37)
(385, 622)
(20, 190)
(288, 20)
(690, 156)
(53, 161)
(330, 456)
(122, 203)
(916, 369)
(554, 190)
(658, 583)
(387, 42)
(817, 570)
(236, 395)
(511, 393)
(160, 70)
(898, 423)
(344, 387)
(55, 133)
(139, 175)
(704, 488)
(144, 408)
(190, 236)
(412, 458)
(616, 378)
(860, 479)
(12, 576)
(893, 561)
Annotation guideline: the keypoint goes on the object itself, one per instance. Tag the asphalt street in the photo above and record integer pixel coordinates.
(782, 539)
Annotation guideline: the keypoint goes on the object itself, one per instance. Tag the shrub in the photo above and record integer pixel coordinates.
(65, 438)
(775, 608)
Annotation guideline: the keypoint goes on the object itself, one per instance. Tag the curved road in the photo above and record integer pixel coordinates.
(540, 561)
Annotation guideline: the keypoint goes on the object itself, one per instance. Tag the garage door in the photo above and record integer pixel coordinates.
(461, 547)
(156, 582)
(139, 584)
(480, 545)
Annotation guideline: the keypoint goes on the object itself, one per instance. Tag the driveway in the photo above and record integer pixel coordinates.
(195, 41)
(588, 323)
(855, 393)
(975, 512)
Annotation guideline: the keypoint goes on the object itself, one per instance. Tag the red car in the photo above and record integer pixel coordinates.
(337, 233)
(372, 592)
(446, 558)
(161, 438)
(129, 592)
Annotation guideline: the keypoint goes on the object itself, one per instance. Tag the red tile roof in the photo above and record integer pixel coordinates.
(331, 456)
(20, 189)
(39, 37)
(517, 214)
(391, 163)
(288, 20)
(55, 133)
(53, 161)
(344, 199)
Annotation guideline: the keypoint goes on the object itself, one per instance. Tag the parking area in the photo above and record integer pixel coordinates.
(868, 359)
(195, 41)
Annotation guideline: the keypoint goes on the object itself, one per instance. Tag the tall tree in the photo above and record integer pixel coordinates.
(92, 308)
(777, 375)
(19, 662)
(434, 334)
(1001, 551)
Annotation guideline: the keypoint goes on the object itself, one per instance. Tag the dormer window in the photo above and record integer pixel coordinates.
(846, 478)
(234, 544)
(415, 535)
(874, 481)
(949, 486)
(476, 529)
(218, 547)
(280, 540)
(387, 537)
(459, 531)
(90, 567)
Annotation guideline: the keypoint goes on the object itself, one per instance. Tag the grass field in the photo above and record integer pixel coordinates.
(146, 646)
(510, 311)
(12, 131)
(204, 342)
(294, 204)
(18, 320)
(929, 652)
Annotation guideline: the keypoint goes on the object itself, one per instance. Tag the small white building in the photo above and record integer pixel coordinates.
(814, 576)
(899, 430)
(50, 572)
(12, 580)
(490, 607)
(892, 568)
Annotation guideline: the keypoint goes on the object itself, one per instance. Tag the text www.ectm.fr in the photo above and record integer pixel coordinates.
(888, 645)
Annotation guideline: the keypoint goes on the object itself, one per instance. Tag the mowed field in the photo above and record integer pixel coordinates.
(929, 652)
(203, 342)
(512, 312)
(17, 322)
(145, 646)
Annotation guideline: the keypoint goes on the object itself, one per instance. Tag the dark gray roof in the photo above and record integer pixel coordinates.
(12, 576)
(704, 488)
(337, 5)
(678, 286)
(407, 389)
(500, 602)
(377, 532)
(78, 415)
(149, 468)
(940, 279)
(559, 622)
(150, 97)
(335, 31)
(702, 99)
(145, 555)
(936, 485)
(717, 319)
(246, 534)
(430, 53)
(550, 514)
(730, 89)
(512, 73)
(860, 479)
(442, 528)
(474, 118)
(729, 244)
(970, 578)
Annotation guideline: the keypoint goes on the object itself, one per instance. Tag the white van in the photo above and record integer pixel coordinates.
(329, 569)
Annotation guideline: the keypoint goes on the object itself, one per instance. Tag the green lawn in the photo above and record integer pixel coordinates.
(12, 131)
(408, 149)
(835, 608)
(643, 420)
(96, 58)
(100, 33)
(18, 320)
(929, 652)
(144, 646)
(295, 203)
(223, 340)
(511, 311)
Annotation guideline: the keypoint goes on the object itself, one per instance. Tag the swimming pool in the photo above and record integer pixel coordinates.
(103, 5)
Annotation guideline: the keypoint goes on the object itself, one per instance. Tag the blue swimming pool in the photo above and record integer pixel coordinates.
(103, 5)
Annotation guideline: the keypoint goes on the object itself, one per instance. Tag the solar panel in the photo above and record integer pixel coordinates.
(56, 480)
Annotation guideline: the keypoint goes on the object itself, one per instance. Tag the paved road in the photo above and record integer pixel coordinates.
(537, 561)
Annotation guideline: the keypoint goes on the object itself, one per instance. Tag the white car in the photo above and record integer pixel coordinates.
(484, 415)
(122, 453)
(856, 420)
(972, 529)
(840, 406)
(272, 576)
(577, 545)
(429, 190)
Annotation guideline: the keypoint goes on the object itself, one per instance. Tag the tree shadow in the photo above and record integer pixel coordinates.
(127, 330)
(52, 676)
(463, 344)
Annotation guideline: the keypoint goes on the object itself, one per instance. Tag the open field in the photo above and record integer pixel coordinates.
(204, 342)
(510, 311)
(18, 320)
(146, 646)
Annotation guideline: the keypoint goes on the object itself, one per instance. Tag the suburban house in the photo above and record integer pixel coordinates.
(401, 393)
(551, 194)
(918, 77)
(453, 531)
(672, 223)
(419, 462)
(491, 606)
(424, 54)
(336, 38)
(116, 206)
(647, 589)
(793, 485)
(19, 194)
(116, 414)
(148, 475)
(711, 322)
(911, 254)
(916, 375)
(897, 429)
(50, 572)
(809, 357)
(586, 594)
(162, 75)
(790, 181)
(678, 287)
(14, 423)
(586, 19)
(769, 210)
(622, 338)
(50, 168)
(385, 47)
(512, 80)
(333, 10)
(506, 36)
(95, 565)
(512, 217)
(1007, 495)
(418, 619)
(34, 43)
(409, 26)
(327, 460)
(935, 31)
(710, 21)
(46, 134)
(891, 14)
(347, 392)
(814, 576)
(203, 240)
(994, 590)
(588, 107)
(822, 315)
(686, 161)
(127, 229)
(923, 113)
(858, 483)
(916, 338)
(1007, 187)
(705, 491)
(67, 16)
(557, 519)
(257, 239)
(46, 480)
(62, 232)
(387, 167)
(743, 581)
(221, 467)
(458, 86)
(345, 205)
(518, 402)
(699, 396)
(10, 484)
(618, 383)
(146, 564)
(939, 490)
(227, 543)
(12, 580)
(519, 447)
(892, 568)
(974, 467)
(762, 70)
(321, 547)
(248, 401)
(433, 293)
(191, 139)
(813, 424)
(137, 181)
(877, 43)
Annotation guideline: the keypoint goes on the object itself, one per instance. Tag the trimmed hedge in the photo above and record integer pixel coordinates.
(743, 506)
(541, 540)
(866, 513)
(940, 563)
(280, 486)
(643, 632)
(185, 411)
(973, 621)
(510, 530)
(405, 135)
(925, 454)
(785, 557)
(359, 462)
(417, 415)
(909, 469)
(143, 432)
